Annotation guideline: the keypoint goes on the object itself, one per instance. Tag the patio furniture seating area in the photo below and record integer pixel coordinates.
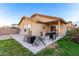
(52, 35)
(35, 40)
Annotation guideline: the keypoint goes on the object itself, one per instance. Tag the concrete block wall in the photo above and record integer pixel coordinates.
(6, 31)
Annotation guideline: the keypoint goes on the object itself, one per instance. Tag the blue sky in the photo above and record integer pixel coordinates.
(12, 13)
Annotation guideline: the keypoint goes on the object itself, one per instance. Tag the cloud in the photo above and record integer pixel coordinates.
(1, 12)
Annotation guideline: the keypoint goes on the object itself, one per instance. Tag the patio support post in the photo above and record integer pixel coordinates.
(59, 27)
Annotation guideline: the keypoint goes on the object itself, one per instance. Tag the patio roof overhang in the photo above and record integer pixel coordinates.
(49, 21)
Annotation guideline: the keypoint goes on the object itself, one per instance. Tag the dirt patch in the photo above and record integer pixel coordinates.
(53, 46)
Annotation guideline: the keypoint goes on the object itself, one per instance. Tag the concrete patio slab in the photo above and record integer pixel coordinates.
(34, 49)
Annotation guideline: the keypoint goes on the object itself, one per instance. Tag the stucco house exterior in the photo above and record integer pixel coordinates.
(70, 25)
(37, 22)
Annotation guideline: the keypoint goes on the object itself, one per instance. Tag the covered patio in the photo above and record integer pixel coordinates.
(57, 25)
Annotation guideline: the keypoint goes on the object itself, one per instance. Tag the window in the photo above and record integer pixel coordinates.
(27, 27)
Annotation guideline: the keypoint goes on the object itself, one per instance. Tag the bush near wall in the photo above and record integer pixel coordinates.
(73, 35)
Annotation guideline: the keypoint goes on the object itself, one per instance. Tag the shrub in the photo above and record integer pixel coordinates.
(73, 35)
(76, 38)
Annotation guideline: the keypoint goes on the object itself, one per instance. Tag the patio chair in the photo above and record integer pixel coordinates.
(52, 35)
(39, 39)
(27, 37)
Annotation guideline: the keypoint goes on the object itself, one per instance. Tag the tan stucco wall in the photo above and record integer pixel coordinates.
(24, 22)
(63, 29)
(69, 26)
(37, 28)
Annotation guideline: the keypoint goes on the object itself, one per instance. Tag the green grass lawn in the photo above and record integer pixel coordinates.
(10, 47)
(66, 47)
